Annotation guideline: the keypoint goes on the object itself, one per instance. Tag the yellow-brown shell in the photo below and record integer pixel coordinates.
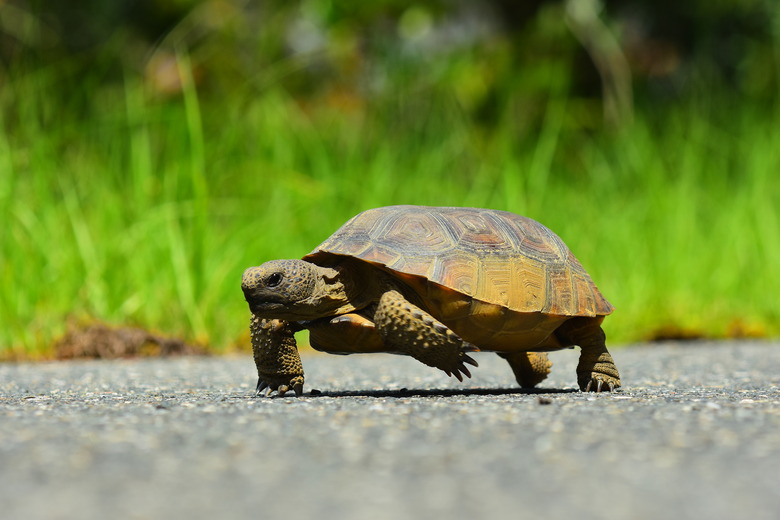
(492, 256)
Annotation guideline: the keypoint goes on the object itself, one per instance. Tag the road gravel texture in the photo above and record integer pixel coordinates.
(695, 434)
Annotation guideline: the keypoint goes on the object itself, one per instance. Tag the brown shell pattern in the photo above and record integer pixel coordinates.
(494, 256)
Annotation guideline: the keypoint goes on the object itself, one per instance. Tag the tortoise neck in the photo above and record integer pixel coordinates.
(359, 284)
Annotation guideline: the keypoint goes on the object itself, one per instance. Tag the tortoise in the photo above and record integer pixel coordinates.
(434, 283)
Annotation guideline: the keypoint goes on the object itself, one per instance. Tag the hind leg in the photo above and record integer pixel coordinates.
(530, 368)
(596, 371)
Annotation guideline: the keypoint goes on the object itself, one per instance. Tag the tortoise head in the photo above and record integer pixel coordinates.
(292, 290)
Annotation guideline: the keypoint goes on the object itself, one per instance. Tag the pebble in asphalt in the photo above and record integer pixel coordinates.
(694, 434)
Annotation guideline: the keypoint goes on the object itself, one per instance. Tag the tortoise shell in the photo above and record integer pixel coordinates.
(493, 256)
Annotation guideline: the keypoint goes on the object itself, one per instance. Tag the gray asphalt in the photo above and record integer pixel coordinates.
(694, 434)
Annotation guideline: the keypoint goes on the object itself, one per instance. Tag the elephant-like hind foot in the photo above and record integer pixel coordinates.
(596, 370)
(530, 368)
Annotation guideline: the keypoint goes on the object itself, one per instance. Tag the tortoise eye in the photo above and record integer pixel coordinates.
(273, 280)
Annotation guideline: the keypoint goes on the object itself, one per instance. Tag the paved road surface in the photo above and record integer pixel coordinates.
(695, 434)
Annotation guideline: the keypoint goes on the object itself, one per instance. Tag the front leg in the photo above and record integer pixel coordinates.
(276, 356)
(410, 330)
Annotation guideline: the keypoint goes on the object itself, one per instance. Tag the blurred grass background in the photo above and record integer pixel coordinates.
(151, 150)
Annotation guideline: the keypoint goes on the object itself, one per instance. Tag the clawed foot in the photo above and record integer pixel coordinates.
(600, 383)
(596, 371)
(459, 369)
(296, 384)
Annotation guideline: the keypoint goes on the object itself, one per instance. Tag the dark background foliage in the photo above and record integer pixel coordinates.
(518, 51)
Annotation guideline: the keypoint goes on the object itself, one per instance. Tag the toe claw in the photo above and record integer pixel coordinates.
(468, 359)
(597, 384)
(264, 388)
(469, 347)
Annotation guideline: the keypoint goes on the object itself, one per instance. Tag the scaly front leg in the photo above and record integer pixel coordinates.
(276, 356)
(407, 329)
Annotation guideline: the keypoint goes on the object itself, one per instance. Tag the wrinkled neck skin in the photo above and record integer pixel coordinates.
(347, 286)
(331, 295)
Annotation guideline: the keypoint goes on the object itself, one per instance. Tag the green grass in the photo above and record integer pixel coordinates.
(137, 210)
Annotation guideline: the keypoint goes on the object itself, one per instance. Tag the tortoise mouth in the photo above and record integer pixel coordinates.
(262, 304)
(264, 307)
